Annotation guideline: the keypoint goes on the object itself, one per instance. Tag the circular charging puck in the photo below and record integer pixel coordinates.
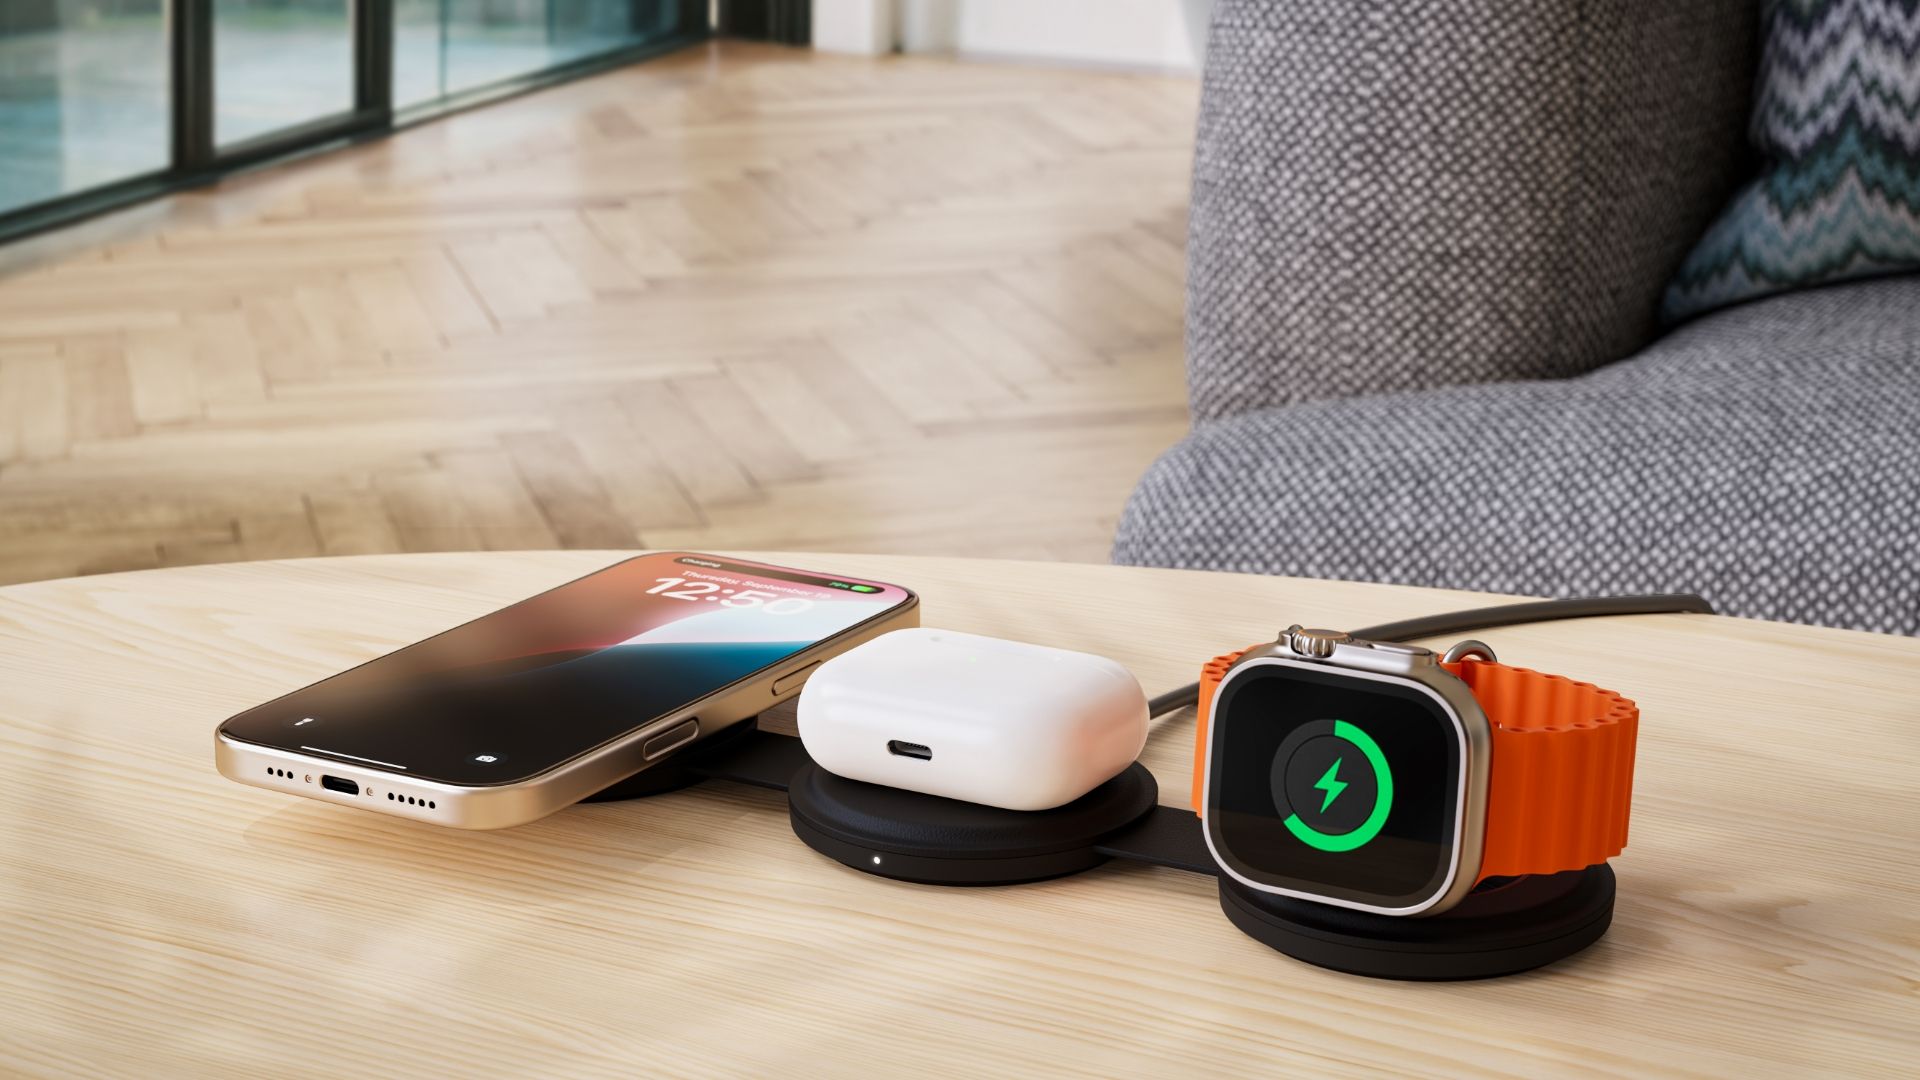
(936, 841)
(1502, 928)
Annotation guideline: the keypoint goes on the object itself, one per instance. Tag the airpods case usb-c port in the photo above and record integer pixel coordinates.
(1000, 723)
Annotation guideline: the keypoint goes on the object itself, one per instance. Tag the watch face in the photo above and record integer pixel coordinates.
(1335, 785)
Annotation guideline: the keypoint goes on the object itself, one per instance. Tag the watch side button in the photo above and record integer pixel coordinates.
(793, 679)
(1414, 656)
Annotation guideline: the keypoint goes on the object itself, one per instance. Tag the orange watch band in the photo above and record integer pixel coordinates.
(1561, 783)
(1210, 676)
(1562, 776)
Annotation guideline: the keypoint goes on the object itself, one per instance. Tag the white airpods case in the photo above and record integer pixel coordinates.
(1001, 723)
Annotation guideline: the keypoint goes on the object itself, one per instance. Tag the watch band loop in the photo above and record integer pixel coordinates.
(1561, 787)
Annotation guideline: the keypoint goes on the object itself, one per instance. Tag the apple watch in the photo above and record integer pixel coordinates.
(1385, 778)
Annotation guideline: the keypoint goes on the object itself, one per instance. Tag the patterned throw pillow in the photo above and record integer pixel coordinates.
(1838, 120)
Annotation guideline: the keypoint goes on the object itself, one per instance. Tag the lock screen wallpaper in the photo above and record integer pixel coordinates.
(524, 689)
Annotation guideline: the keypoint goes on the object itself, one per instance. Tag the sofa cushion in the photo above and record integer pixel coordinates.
(1767, 456)
(1837, 117)
(1402, 196)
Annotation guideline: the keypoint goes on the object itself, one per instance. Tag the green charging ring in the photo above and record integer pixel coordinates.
(1382, 800)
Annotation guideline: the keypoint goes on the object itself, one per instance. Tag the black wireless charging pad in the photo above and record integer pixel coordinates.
(936, 841)
(1502, 928)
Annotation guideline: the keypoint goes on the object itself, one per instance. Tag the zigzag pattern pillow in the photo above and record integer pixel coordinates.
(1838, 120)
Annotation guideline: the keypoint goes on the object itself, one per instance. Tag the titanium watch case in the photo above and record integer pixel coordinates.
(1403, 665)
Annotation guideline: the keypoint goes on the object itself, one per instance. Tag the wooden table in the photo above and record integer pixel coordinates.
(156, 919)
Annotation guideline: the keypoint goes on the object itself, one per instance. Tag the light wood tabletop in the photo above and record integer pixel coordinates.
(159, 920)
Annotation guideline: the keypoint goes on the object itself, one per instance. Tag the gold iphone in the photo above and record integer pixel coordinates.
(536, 706)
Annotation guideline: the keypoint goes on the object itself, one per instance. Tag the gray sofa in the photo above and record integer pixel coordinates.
(1427, 249)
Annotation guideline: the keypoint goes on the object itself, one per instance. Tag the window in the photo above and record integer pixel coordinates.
(444, 47)
(279, 64)
(93, 113)
(84, 90)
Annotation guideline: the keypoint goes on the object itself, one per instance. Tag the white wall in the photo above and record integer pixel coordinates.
(1145, 34)
(853, 26)
(1122, 33)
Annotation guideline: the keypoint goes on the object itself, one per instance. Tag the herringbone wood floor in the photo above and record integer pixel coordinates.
(741, 297)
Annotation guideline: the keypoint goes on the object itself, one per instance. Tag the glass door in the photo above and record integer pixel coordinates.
(107, 102)
(280, 64)
(83, 96)
(444, 48)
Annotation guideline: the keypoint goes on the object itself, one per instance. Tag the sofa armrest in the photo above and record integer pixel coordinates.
(1392, 196)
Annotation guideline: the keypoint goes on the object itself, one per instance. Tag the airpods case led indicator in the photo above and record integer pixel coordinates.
(980, 719)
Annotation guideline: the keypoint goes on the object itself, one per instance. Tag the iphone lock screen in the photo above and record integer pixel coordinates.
(526, 688)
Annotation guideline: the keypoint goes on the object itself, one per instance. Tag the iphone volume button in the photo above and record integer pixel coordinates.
(671, 739)
(793, 679)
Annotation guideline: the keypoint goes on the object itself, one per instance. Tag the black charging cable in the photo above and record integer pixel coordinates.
(1486, 618)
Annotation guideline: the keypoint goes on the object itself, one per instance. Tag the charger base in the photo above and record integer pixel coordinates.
(934, 841)
(1502, 928)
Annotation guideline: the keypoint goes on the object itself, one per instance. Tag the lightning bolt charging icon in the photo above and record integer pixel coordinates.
(1331, 784)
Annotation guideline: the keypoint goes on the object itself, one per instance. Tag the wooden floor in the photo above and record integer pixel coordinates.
(744, 297)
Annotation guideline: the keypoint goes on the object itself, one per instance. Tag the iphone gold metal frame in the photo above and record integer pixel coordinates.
(386, 791)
